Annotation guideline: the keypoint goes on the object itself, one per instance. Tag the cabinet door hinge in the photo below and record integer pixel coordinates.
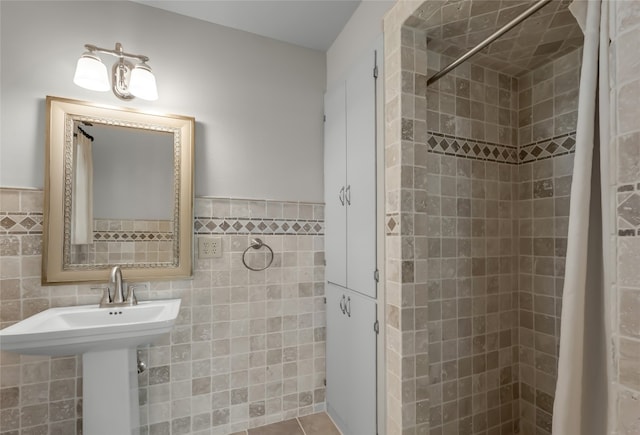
(375, 64)
(324, 118)
(325, 301)
(325, 382)
(376, 275)
(376, 327)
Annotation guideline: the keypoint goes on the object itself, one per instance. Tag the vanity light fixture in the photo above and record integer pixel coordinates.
(127, 80)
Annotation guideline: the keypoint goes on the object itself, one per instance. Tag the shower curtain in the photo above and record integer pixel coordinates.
(583, 399)
(82, 191)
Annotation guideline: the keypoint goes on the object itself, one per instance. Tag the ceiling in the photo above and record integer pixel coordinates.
(455, 26)
(309, 23)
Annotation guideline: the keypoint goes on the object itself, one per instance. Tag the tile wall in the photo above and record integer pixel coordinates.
(626, 193)
(472, 251)
(127, 241)
(248, 348)
(547, 117)
(407, 408)
(455, 184)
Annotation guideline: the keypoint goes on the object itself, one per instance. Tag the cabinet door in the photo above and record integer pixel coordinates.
(335, 170)
(338, 388)
(362, 364)
(361, 176)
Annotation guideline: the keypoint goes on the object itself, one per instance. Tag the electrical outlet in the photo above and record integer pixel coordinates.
(209, 247)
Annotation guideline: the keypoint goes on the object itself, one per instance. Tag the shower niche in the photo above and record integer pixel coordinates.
(486, 162)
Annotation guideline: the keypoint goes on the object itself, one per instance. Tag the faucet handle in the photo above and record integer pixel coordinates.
(131, 296)
(106, 297)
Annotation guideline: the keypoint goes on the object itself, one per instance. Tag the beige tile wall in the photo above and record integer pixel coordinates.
(471, 102)
(625, 96)
(471, 248)
(127, 241)
(470, 308)
(407, 409)
(547, 107)
(479, 108)
(248, 347)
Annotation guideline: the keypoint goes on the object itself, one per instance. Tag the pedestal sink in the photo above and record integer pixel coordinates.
(107, 339)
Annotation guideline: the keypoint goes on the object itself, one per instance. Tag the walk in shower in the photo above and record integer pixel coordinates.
(487, 157)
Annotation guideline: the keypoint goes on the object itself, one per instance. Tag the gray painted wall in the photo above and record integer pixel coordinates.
(258, 102)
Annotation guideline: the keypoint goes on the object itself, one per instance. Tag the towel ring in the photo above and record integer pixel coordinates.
(256, 244)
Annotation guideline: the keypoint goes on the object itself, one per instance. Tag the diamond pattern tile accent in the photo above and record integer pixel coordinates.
(215, 225)
(132, 236)
(468, 148)
(557, 146)
(21, 223)
(7, 223)
(479, 150)
(211, 225)
(393, 228)
(629, 210)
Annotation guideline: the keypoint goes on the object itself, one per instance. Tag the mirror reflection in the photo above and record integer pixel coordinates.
(122, 207)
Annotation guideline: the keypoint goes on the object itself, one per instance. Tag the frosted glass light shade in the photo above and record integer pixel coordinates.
(142, 83)
(91, 73)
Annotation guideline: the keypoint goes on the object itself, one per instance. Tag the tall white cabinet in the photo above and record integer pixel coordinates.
(350, 179)
(350, 246)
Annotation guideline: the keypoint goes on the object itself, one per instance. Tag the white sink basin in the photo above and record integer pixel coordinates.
(87, 328)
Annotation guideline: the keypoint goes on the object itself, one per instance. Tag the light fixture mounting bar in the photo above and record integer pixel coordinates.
(118, 52)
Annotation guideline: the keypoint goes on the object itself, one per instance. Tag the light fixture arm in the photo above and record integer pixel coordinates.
(118, 52)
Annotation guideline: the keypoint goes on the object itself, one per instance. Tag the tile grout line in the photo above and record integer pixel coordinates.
(301, 426)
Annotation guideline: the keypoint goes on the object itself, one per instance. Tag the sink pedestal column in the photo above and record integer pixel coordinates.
(110, 393)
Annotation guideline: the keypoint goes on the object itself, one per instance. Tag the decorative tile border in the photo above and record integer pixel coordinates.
(629, 210)
(439, 143)
(21, 223)
(28, 223)
(218, 225)
(392, 227)
(545, 149)
(131, 236)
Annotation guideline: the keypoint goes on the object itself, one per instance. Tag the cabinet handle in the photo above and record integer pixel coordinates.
(343, 305)
(347, 307)
(348, 196)
(341, 196)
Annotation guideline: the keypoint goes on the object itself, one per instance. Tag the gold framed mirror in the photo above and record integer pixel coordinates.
(118, 191)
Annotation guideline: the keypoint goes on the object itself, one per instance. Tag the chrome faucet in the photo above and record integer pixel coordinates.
(115, 286)
(114, 294)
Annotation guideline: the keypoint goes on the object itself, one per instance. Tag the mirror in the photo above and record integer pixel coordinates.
(118, 191)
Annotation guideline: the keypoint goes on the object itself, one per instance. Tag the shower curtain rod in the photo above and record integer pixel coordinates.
(510, 25)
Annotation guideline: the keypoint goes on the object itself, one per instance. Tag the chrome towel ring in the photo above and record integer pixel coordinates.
(257, 244)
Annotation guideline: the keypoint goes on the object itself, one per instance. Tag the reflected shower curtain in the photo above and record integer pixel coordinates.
(583, 395)
(82, 191)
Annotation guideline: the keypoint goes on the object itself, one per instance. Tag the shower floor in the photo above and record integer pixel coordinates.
(315, 424)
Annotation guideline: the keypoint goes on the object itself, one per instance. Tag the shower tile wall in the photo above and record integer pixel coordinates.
(545, 148)
(471, 304)
(626, 201)
(248, 347)
(491, 143)
(548, 107)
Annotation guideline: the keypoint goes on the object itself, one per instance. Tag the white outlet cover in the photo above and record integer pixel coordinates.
(209, 247)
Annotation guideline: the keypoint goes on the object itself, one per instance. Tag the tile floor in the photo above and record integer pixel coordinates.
(315, 424)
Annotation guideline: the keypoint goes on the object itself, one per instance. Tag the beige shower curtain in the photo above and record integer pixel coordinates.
(82, 192)
(584, 388)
